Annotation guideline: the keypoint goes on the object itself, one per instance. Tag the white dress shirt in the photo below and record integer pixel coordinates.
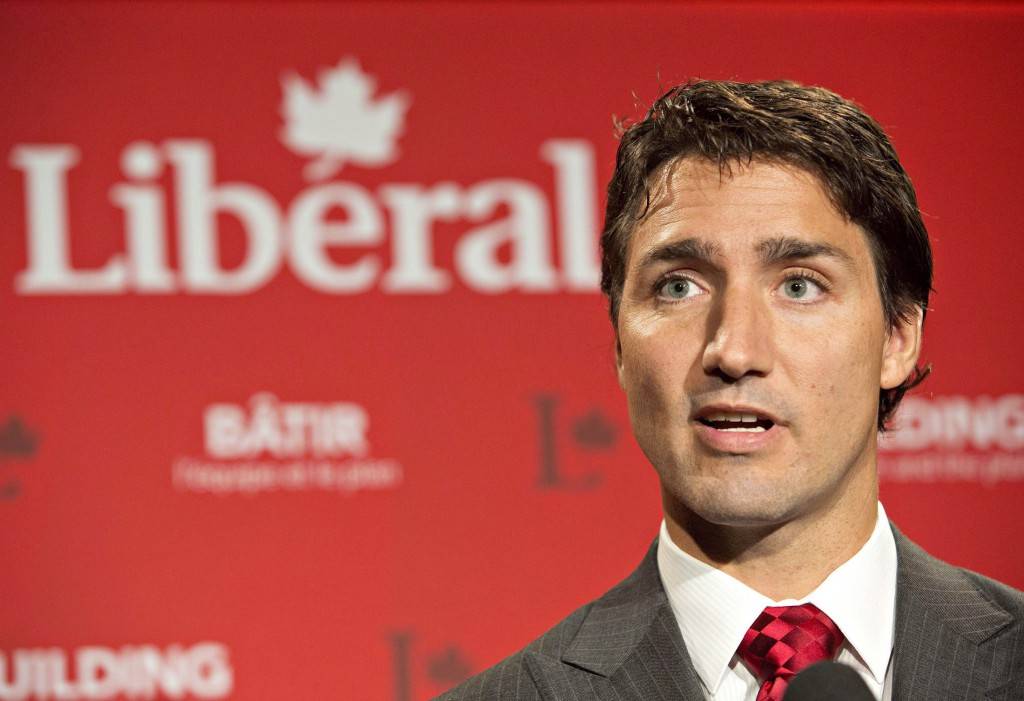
(714, 611)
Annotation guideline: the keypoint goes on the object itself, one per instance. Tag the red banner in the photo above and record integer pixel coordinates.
(309, 388)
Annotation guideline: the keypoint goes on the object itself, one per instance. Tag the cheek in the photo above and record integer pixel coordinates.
(840, 376)
(655, 367)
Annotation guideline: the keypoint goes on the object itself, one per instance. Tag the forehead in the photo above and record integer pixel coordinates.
(737, 210)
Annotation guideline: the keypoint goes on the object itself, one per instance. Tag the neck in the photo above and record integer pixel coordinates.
(787, 559)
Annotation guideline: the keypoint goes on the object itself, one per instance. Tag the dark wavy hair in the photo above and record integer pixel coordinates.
(810, 128)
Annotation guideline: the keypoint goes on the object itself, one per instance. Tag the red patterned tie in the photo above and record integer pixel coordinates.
(785, 639)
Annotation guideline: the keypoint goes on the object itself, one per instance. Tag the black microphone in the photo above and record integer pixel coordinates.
(829, 681)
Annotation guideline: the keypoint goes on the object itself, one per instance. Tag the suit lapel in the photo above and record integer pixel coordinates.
(659, 667)
(946, 642)
(630, 640)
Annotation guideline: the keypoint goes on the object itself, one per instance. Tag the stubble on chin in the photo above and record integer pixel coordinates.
(734, 495)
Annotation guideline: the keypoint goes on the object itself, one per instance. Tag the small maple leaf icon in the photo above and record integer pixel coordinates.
(449, 666)
(594, 432)
(340, 119)
(16, 439)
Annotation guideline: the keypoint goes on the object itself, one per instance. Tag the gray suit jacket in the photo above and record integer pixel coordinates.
(958, 636)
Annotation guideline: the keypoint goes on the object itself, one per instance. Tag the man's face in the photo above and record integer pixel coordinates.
(752, 345)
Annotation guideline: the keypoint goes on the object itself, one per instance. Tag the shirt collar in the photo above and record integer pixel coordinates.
(714, 610)
(860, 596)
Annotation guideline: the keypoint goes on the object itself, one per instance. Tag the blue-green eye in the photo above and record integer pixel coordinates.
(678, 288)
(801, 288)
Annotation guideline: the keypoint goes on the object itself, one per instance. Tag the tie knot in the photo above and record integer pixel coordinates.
(784, 640)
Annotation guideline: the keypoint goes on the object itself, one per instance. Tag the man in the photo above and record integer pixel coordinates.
(768, 274)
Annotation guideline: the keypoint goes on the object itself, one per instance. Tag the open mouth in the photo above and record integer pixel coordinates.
(737, 422)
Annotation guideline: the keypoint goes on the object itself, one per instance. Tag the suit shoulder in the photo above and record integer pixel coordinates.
(1003, 595)
(510, 679)
(944, 582)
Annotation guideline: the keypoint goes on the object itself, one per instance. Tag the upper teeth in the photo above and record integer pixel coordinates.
(744, 418)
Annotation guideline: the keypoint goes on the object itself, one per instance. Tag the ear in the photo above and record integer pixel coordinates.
(620, 373)
(902, 348)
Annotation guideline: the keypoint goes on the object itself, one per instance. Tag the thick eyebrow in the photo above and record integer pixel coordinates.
(686, 249)
(774, 250)
(786, 248)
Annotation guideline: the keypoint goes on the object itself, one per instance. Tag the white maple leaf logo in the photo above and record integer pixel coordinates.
(341, 120)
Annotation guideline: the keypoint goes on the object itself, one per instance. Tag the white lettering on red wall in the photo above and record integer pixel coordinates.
(200, 671)
(956, 439)
(300, 233)
(955, 422)
(285, 429)
(269, 445)
(341, 121)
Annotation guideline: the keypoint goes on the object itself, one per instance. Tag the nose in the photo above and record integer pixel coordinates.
(740, 338)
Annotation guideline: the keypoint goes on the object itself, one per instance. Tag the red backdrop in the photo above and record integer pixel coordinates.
(308, 388)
